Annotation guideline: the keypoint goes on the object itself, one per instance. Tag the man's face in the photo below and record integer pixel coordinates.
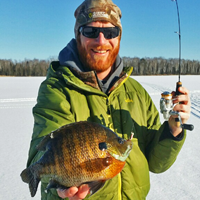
(99, 53)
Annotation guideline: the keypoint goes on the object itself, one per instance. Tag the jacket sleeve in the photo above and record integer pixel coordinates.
(162, 147)
(51, 112)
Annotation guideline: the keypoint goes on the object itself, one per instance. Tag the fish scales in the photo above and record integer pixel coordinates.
(95, 153)
(65, 168)
(83, 143)
(76, 141)
(84, 147)
(51, 162)
(91, 149)
(74, 156)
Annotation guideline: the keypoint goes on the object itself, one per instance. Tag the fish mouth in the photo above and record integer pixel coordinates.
(118, 155)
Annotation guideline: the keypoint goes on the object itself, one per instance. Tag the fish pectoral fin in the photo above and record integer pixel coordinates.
(96, 165)
(95, 186)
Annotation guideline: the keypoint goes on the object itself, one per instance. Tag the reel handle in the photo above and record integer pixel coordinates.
(188, 127)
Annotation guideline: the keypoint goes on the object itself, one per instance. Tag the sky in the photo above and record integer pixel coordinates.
(41, 28)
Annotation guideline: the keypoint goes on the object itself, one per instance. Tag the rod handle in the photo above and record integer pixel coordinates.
(178, 85)
(189, 127)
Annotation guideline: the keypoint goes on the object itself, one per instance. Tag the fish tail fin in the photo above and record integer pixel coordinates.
(31, 178)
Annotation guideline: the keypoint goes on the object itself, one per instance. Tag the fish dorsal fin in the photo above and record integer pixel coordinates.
(57, 134)
(42, 146)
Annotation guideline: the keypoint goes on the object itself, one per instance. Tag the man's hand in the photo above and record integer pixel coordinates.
(74, 193)
(184, 109)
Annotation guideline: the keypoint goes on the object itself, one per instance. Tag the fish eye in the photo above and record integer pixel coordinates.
(121, 141)
(103, 146)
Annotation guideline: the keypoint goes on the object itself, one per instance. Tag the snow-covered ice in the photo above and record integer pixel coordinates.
(18, 96)
(182, 180)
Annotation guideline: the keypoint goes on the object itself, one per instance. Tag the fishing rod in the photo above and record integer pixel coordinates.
(179, 83)
(166, 103)
(179, 34)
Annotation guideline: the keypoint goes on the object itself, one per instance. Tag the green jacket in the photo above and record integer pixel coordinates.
(68, 95)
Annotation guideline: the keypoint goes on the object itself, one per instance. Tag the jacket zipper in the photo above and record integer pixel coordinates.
(119, 187)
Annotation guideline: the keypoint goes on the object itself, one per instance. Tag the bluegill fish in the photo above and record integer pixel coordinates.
(78, 153)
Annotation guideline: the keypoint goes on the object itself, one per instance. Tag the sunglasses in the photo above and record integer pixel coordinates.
(93, 32)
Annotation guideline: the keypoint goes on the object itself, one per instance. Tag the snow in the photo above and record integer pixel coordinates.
(182, 180)
(18, 96)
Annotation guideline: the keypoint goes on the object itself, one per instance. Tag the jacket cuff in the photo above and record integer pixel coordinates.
(167, 134)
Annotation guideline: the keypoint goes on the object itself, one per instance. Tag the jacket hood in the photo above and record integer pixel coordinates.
(68, 56)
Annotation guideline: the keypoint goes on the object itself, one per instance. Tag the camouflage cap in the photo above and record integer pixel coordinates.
(97, 10)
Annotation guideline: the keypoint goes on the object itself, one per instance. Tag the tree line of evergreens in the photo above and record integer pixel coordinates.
(161, 66)
(33, 67)
(141, 66)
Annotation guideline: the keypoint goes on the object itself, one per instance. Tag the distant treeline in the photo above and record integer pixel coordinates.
(33, 67)
(141, 66)
(161, 66)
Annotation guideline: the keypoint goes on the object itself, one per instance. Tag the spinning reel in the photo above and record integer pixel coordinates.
(166, 108)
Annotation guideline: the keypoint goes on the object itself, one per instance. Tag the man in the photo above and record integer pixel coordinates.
(89, 83)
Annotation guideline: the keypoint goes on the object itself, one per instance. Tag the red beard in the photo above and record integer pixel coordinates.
(97, 63)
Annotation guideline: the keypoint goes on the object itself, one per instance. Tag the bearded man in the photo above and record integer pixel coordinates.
(89, 83)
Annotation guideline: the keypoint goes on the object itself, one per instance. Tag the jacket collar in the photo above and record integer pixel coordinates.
(75, 77)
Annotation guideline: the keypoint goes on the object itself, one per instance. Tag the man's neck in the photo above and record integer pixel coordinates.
(105, 74)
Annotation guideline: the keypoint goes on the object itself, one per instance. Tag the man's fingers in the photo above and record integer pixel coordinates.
(74, 193)
(83, 191)
(67, 193)
(183, 90)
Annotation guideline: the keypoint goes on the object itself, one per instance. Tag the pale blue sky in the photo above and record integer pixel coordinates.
(41, 28)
